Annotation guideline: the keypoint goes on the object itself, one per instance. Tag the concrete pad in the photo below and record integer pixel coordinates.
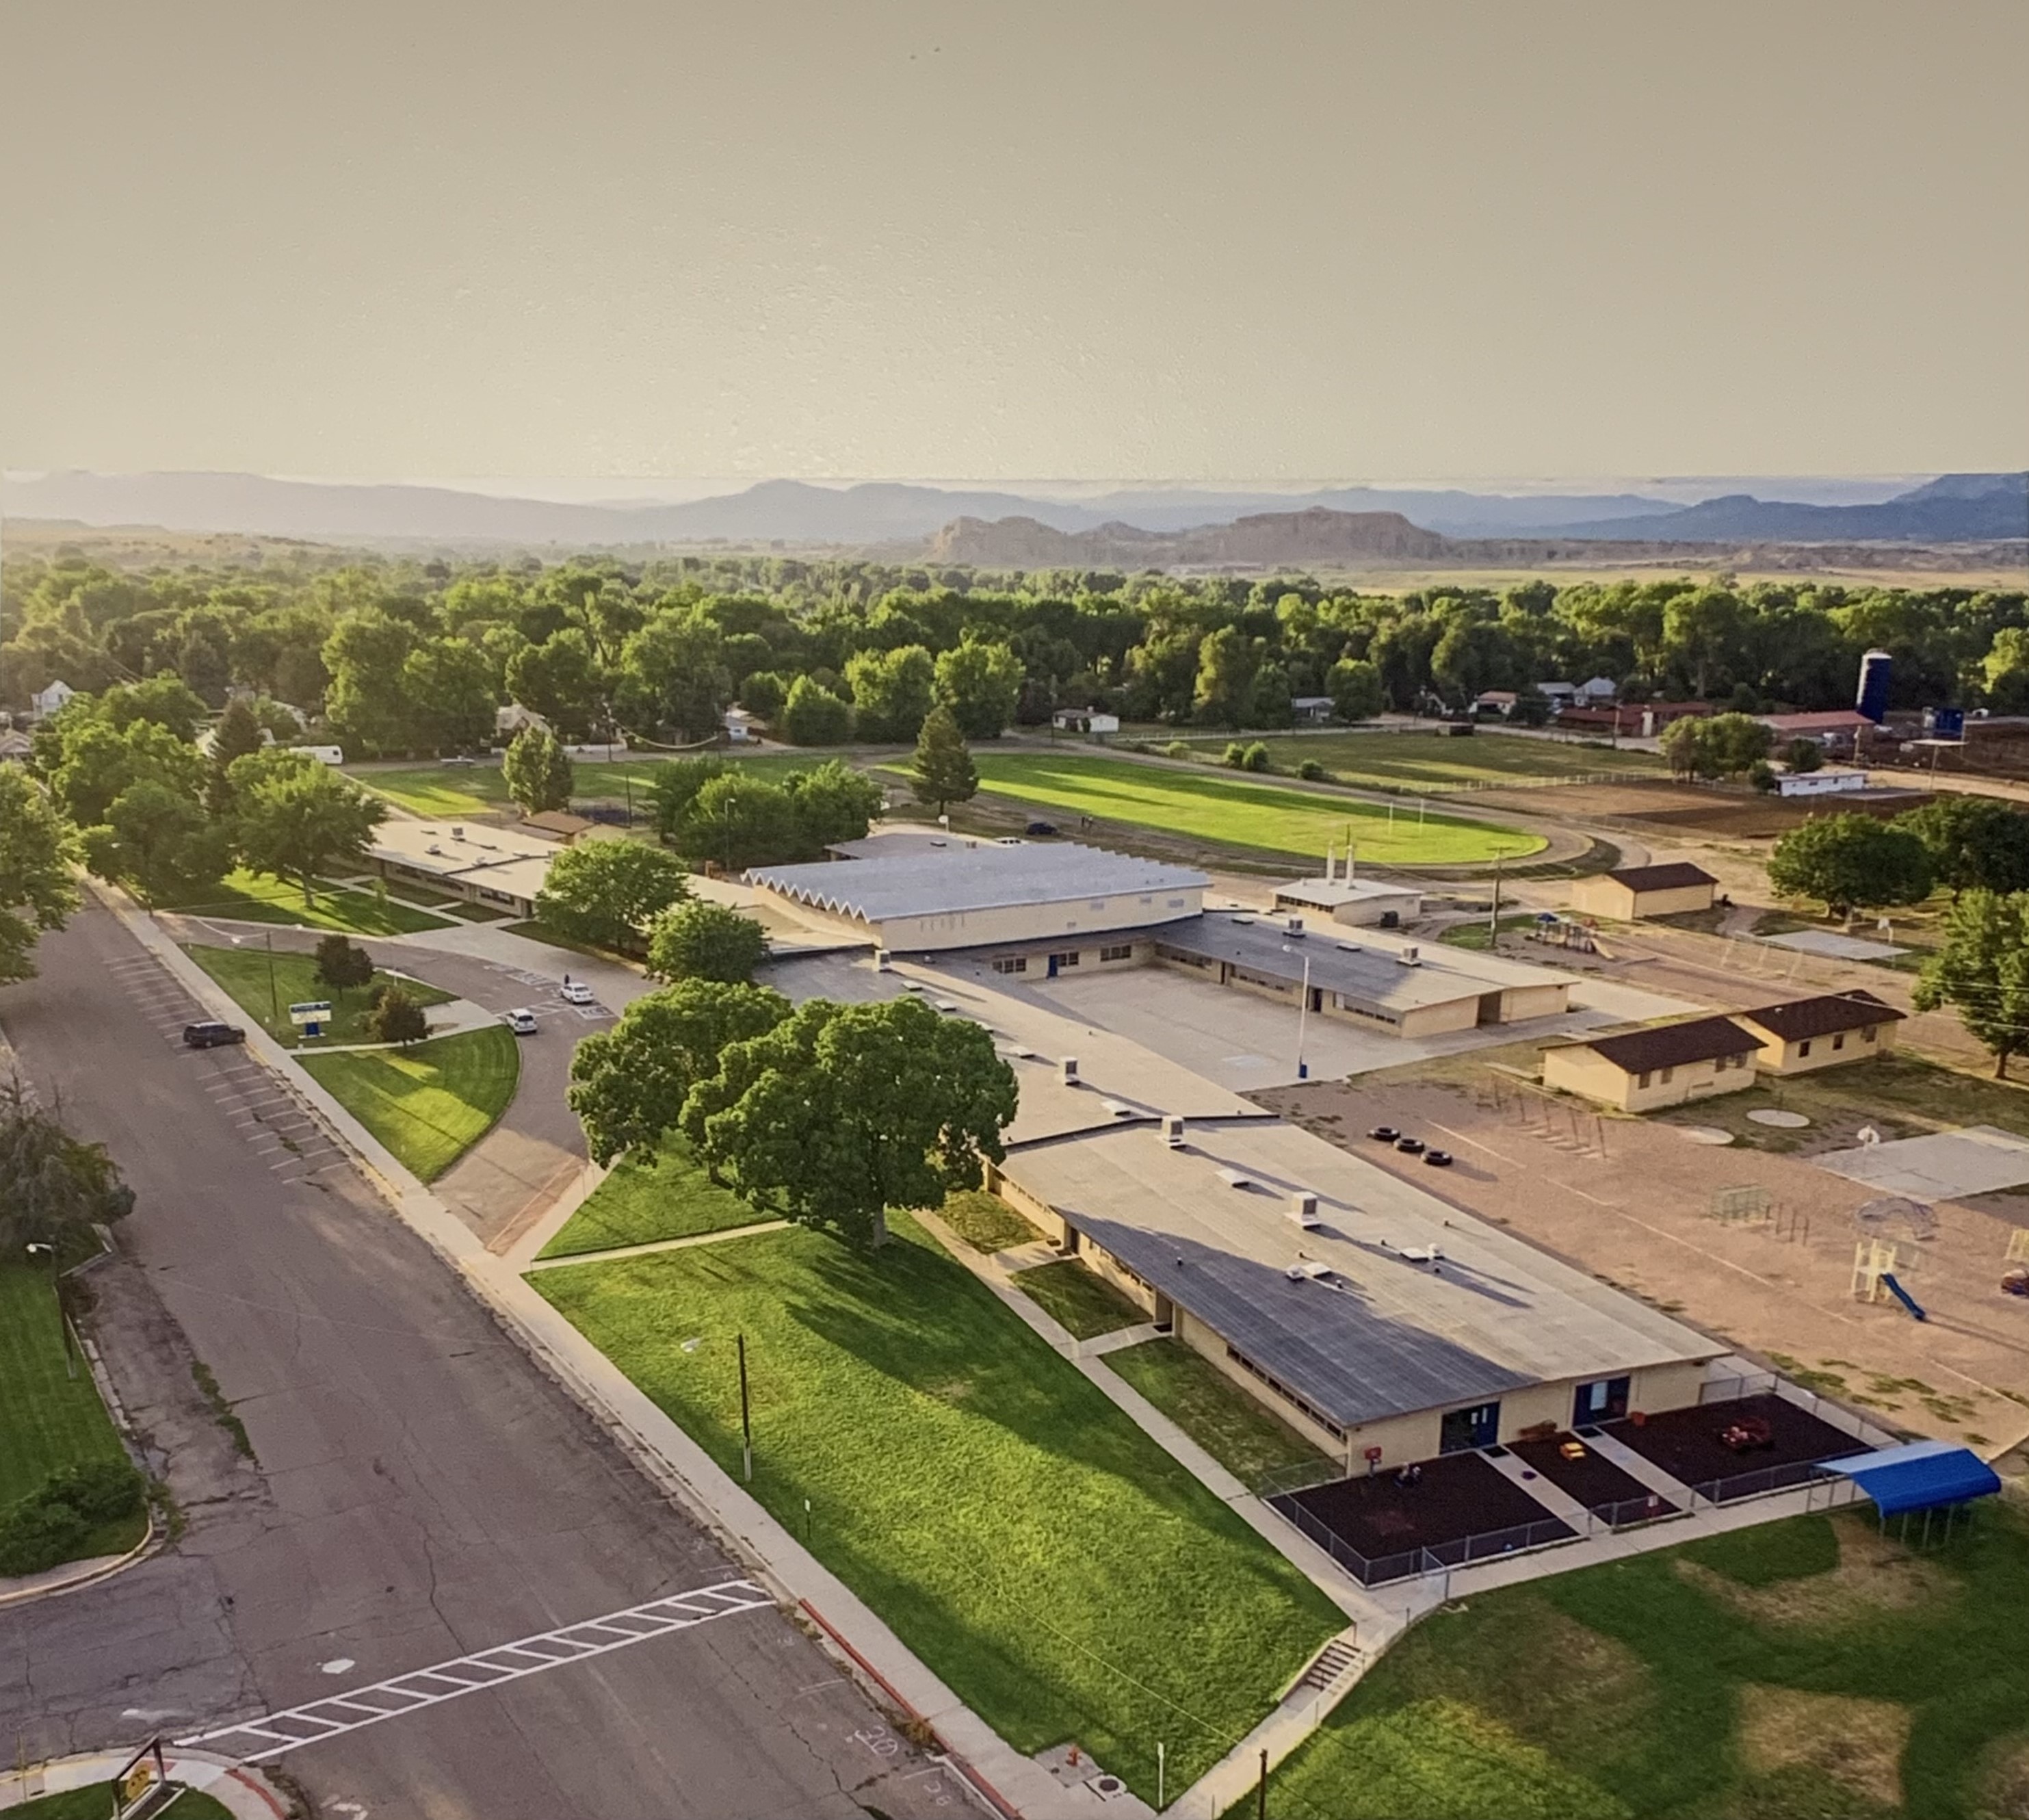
(1945, 1166)
(1627, 1004)
(1835, 947)
(1780, 1118)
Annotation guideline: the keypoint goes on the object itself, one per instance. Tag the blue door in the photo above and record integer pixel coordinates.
(1478, 1427)
(1603, 1400)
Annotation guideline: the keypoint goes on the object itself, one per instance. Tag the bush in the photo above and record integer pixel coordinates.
(48, 1526)
(1234, 757)
(1761, 774)
(1311, 771)
(397, 1018)
(1254, 757)
(1178, 749)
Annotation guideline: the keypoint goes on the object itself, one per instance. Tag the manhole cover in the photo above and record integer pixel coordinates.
(1106, 1786)
(1708, 1134)
(1776, 1116)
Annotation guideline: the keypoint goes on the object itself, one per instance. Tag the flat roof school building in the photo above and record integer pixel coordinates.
(478, 862)
(1382, 1324)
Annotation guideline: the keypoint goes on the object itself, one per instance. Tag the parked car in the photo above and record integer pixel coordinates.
(1387, 1134)
(1438, 1159)
(577, 991)
(212, 1034)
(1410, 1146)
(1044, 828)
(519, 1020)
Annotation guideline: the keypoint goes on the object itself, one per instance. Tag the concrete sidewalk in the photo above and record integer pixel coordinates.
(669, 1457)
(244, 1791)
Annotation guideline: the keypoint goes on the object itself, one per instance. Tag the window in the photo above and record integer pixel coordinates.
(1867, 1035)
(1288, 1395)
(1669, 1075)
(1122, 951)
(1804, 1048)
(1641, 1081)
(1011, 963)
(1838, 1042)
(1069, 958)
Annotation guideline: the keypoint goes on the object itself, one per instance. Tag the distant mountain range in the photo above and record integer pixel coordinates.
(1954, 508)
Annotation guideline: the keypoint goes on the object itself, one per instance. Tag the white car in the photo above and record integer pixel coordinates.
(575, 992)
(520, 1021)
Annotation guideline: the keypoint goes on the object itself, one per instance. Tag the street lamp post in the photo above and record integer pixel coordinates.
(56, 1289)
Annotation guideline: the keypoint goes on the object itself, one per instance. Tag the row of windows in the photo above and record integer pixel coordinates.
(1719, 1067)
(1838, 1042)
(1011, 963)
(1125, 951)
(1288, 1395)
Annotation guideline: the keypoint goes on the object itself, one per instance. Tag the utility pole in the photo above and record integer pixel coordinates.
(274, 997)
(1261, 1791)
(746, 1419)
(1493, 923)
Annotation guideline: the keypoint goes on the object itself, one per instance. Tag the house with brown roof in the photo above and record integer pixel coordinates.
(1824, 1032)
(1665, 1065)
(1639, 891)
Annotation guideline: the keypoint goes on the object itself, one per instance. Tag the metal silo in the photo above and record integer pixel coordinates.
(1876, 668)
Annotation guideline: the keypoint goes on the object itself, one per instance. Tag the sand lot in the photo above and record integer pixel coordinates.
(1638, 1215)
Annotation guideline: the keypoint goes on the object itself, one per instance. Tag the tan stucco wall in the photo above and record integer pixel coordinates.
(1435, 1019)
(1202, 1340)
(1668, 1387)
(1043, 1217)
(1517, 1002)
(1579, 1070)
(1780, 1058)
(1605, 896)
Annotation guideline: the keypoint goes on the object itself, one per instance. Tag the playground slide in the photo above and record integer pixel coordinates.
(1903, 1296)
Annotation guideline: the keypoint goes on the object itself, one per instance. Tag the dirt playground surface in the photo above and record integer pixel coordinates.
(1638, 1215)
(1455, 1496)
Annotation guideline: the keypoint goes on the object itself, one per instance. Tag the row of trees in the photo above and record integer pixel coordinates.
(399, 657)
(825, 1114)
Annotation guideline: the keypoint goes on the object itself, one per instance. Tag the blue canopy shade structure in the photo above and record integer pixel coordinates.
(1921, 1476)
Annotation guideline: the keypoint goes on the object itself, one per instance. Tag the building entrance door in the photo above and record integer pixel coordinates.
(1478, 1427)
(1603, 1400)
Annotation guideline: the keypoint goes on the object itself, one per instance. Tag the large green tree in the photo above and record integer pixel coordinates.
(1354, 688)
(699, 939)
(627, 1084)
(53, 1188)
(37, 890)
(537, 770)
(1975, 843)
(1718, 746)
(608, 892)
(980, 681)
(944, 773)
(449, 685)
(842, 1110)
(367, 702)
(814, 715)
(833, 802)
(294, 816)
(163, 843)
(673, 674)
(99, 761)
(1981, 967)
(1851, 862)
(892, 692)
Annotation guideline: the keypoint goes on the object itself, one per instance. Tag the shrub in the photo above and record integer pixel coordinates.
(1234, 757)
(1178, 749)
(1311, 771)
(1254, 757)
(1761, 774)
(53, 1523)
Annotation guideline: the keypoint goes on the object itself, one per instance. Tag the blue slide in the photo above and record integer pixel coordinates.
(1903, 1296)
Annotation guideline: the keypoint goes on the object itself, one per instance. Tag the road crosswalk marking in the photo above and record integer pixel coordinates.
(258, 1740)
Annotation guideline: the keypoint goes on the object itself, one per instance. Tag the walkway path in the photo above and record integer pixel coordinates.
(655, 1244)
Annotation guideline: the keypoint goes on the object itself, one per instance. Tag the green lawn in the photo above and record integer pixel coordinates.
(429, 1104)
(96, 1802)
(48, 1419)
(1802, 1670)
(639, 1204)
(449, 790)
(1241, 811)
(1080, 1299)
(1045, 1557)
(243, 973)
(1473, 934)
(247, 896)
(1435, 761)
(1230, 1425)
(985, 1222)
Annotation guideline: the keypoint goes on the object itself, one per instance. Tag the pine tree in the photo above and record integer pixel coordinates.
(945, 773)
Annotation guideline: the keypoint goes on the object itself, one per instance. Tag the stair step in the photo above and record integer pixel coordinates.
(1332, 1662)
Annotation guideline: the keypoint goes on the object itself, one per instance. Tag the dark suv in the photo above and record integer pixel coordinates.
(212, 1034)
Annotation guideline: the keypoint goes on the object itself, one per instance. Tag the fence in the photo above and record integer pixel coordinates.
(1620, 1513)
(1298, 1477)
(1728, 1390)
(1437, 1559)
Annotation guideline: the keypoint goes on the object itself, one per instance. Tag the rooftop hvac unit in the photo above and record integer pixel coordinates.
(458, 834)
(1067, 1070)
(882, 962)
(1236, 1178)
(1314, 1271)
(1173, 1131)
(1412, 956)
(1304, 1210)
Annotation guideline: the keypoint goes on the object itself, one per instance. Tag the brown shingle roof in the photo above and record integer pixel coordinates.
(1821, 1016)
(1671, 1045)
(1671, 877)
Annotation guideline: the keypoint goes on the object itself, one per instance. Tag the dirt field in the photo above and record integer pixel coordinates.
(1683, 811)
(1637, 1216)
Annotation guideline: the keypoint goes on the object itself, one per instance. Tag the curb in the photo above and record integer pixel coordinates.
(245, 1793)
(105, 1569)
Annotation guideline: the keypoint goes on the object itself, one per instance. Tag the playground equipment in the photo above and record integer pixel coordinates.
(1896, 1216)
(2014, 1283)
(1902, 1295)
(1749, 1205)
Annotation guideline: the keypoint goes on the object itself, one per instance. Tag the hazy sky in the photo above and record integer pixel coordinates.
(1337, 241)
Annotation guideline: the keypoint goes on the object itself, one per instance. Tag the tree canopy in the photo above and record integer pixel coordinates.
(1975, 842)
(698, 939)
(537, 770)
(37, 891)
(1982, 968)
(295, 816)
(608, 892)
(53, 1188)
(1851, 862)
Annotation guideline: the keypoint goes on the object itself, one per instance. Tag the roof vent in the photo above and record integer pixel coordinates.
(1412, 956)
(1173, 1130)
(1067, 1070)
(1118, 1108)
(1304, 1210)
(458, 834)
(1236, 1178)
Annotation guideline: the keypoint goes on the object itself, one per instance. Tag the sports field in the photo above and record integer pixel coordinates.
(1414, 761)
(1039, 1552)
(430, 1103)
(1245, 812)
(1805, 1670)
(479, 790)
(265, 997)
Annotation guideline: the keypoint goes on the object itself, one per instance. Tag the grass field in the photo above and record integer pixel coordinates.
(637, 1204)
(1212, 1409)
(96, 1801)
(247, 896)
(1240, 811)
(432, 1103)
(1803, 1670)
(985, 1222)
(243, 973)
(448, 790)
(1432, 761)
(1082, 1301)
(1039, 1552)
(48, 1419)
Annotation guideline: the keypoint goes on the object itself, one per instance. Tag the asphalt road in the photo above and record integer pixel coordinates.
(422, 1491)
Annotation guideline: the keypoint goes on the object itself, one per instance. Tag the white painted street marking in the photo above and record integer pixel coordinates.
(274, 1733)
